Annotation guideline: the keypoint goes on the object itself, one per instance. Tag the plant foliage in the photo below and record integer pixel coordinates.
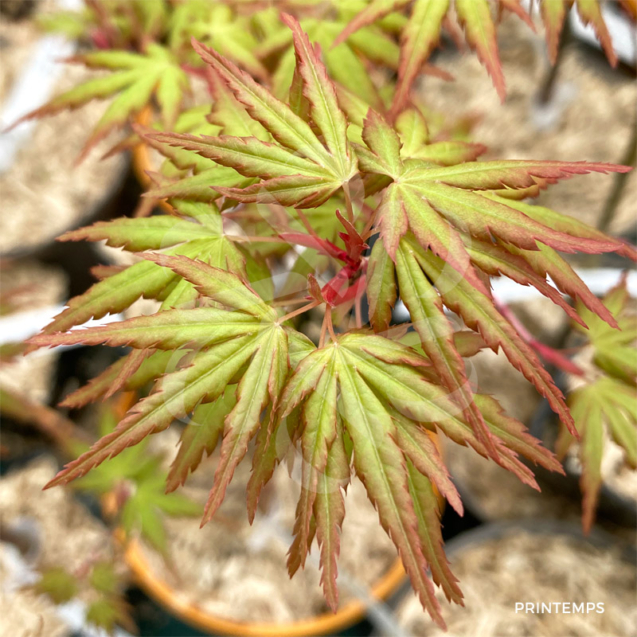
(368, 206)
(603, 403)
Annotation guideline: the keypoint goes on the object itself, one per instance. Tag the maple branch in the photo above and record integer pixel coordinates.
(549, 354)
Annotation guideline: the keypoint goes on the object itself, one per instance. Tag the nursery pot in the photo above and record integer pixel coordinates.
(500, 562)
(192, 614)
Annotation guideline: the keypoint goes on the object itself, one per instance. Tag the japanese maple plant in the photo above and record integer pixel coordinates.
(361, 208)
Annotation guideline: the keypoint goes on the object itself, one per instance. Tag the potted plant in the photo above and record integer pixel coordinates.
(356, 204)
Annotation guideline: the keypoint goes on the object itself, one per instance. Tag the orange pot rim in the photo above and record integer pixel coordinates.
(188, 611)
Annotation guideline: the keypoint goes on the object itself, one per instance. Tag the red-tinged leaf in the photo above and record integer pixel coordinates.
(112, 295)
(515, 173)
(436, 336)
(590, 12)
(199, 436)
(380, 465)
(200, 187)
(414, 396)
(381, 287)
(480, 314)
(475, 17)
(299, 191)
(264, 374)
(432, 231)
(135, 235)
(421, 451)
(287, 128)
(448, 153)
(570, 226)
(376, 10)
(418, 39)
(514, 434)
(155, 365)
(495, 260)
(294, 554)
(101, 272)
(132, 363)
(553, 15)
(269, 450)
(468, 343)
(319, 432)
(169, 330)
(514, 7)
(547, 262)
(304, 380)
(329, 513)
(175, 396)
(324, 108)
(224, 287)
(383, 141)
(96, 388)
(484, 217)
(392, 219)
(428, 514)
(249, 156)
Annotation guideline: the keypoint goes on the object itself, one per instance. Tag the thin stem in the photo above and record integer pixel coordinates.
(250, 239)
(330, 325)
(283, 301)
(548, 84)
(300, 310)
(358, 312)
(324, 328)
(305, 221)
(348, 203)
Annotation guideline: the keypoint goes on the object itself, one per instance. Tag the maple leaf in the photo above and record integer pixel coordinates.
(605, 401)
(421, 35)
(145, 500)
(196, 231)
(442, 210)
(345, 61)
(133, 78)
(219, 26)
(384, 403)
(247, 338)
(298, 169)
(554, 12)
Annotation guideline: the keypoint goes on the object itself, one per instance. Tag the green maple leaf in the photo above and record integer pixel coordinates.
(606, 401)
(431, 216)
(217, 25)
(196, 231)
(421, 35)
(299, 169)
(247, 343)
(384, 404)
(614, 350)
(58, 584)
(133, 80)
